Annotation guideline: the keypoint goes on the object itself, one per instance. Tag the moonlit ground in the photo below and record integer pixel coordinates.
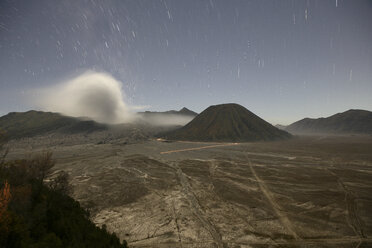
(312, 191)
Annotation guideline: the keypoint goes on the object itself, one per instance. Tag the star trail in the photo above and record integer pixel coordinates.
(282, 59)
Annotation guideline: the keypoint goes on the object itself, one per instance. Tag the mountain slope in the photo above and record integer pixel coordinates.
(227, 122)
(351, 121)
(31, 123)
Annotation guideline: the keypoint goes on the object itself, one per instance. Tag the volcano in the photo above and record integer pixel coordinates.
(227, 122)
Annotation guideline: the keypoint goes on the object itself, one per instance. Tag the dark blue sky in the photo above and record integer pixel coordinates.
(283, 60)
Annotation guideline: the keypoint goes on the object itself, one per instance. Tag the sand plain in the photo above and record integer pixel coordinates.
(311, 191)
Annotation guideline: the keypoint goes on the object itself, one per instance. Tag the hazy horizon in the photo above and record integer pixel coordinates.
(282, 60)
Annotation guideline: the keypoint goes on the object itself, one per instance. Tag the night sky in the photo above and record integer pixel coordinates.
(283, 60)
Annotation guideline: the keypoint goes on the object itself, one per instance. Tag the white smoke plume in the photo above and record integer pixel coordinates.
(95, 95)
(99, 96)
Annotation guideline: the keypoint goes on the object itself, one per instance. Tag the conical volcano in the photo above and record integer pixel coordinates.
(227, 122)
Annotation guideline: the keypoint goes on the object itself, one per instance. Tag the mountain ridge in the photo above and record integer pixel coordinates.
(167, 118)
(33, 122)
(183, 111)
(352, 121)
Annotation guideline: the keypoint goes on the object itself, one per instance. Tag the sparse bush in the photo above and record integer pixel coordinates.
(60, 183)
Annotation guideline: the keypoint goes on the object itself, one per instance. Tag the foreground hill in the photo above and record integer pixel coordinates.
(349, 122)
(31, 123)
(227, 122)
(36, 213)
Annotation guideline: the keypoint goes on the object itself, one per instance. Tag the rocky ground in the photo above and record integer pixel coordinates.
(305, 192)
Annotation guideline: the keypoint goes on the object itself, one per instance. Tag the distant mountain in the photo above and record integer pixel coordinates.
(183, 111)
(31, 123)
(227, 122)
(281, 127)
(349, 122)
(186, 111)
(168, 118)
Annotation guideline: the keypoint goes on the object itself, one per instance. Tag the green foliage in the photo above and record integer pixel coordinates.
(45, 216)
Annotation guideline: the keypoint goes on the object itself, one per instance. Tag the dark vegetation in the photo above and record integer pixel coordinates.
(35, 212)
(227, 122)
(32, 123)
(349, 122)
